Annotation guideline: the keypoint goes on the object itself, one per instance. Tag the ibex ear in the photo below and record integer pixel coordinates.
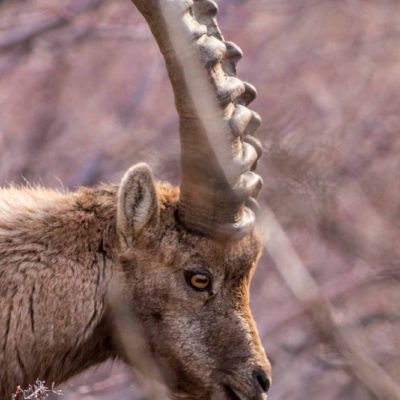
(137, 202)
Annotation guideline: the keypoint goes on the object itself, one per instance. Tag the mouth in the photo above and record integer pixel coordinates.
(230, 393)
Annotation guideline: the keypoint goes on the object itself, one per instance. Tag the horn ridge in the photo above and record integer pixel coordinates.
(218, 151)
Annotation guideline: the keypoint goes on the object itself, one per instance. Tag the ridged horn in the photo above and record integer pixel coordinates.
(218, 153)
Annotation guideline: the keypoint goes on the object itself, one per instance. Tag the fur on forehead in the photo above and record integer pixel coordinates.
(172, 235)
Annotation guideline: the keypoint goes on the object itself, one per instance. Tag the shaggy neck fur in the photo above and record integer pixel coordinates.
(56, 260)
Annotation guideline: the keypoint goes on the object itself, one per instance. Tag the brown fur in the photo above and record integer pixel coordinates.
(59, 252)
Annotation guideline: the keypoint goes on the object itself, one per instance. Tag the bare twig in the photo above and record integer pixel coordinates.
(133, 341)
(307, 292)
(106, 384)
(22, 35)
(332, 290)
(119, 32)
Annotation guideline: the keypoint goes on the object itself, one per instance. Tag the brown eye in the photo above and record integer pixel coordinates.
(198, 281)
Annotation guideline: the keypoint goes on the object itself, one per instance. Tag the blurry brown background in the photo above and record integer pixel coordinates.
(84, 94)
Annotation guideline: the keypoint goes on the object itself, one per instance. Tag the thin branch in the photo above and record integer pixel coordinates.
(307, 292)
(23, 35)
(119, 32)
(133, 342)
(342, 285)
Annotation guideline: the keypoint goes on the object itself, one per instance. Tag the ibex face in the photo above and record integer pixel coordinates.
(191, 296)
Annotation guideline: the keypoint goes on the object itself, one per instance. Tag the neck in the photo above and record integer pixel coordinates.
(56, 260)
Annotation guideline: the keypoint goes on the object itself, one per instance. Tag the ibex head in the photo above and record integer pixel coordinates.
(190, 295)
(190, 254)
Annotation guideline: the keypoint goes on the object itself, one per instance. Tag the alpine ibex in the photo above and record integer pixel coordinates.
(186, 254)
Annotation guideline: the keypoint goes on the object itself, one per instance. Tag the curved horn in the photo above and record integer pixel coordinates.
(218, 153)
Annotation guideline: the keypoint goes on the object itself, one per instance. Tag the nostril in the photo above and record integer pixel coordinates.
(261, 380)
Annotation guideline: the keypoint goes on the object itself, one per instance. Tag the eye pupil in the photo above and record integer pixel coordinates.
(200, 281)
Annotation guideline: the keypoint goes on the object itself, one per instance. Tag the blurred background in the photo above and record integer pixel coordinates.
(84, 95)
